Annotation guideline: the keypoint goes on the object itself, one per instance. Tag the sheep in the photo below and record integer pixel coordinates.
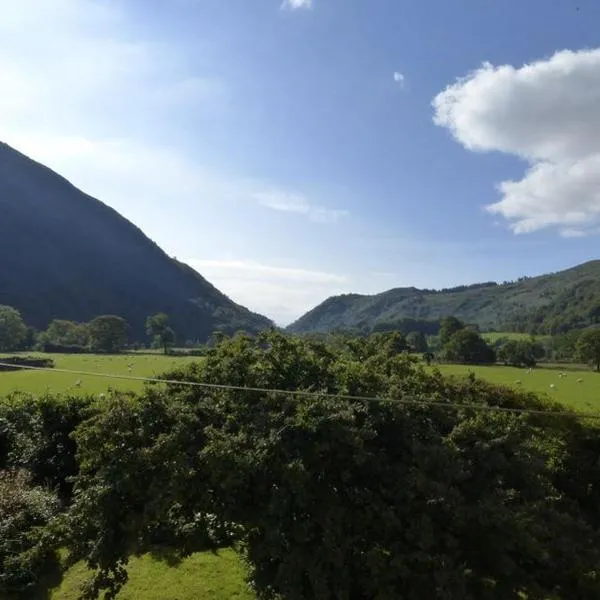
(518, 382)
(552, 386)
(579, 380)
(77, 384)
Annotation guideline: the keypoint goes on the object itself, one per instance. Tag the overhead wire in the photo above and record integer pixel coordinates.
(307, 393)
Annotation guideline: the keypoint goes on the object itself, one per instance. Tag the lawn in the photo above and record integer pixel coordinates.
(202, 576)
(137, 365)
(582, 396)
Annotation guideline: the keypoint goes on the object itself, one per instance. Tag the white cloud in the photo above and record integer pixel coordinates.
(399, 78)
(298, 204)
(282, 293)
(548, 113)
(296, 4)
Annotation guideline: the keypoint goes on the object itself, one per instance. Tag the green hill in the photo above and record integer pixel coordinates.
(67, 255)
(545, 304)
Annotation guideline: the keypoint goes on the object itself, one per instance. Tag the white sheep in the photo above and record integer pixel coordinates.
(78, 383)
(518, 382)
(552, 386)
(580, 380)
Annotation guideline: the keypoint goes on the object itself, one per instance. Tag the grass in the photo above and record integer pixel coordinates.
(582, 396)
(142, 365)
(202, 576)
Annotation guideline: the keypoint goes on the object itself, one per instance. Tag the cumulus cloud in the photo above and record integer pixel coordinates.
(296, 4)
(283, 293)
(547, 113)
(298, 204)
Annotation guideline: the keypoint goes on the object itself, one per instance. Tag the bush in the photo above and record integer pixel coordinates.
(35, 435)
(24, 558)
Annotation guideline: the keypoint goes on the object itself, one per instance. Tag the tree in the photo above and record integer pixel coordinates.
(65, 333)
(448, 327)
(157, 327)
(417, 342)
(520, 353)
(359, 499)
(13, 330)
(588, 347)
(466, 346)
(108, 333)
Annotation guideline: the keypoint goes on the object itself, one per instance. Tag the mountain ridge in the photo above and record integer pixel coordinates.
(545, 303)
(69, 255)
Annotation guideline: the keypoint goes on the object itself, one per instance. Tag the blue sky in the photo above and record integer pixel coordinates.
(293, 151)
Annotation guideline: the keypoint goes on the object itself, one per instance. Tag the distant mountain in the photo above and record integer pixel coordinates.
(546, 304)
(64, 254)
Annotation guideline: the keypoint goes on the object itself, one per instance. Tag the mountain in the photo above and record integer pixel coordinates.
(545, 304)
(67, 255)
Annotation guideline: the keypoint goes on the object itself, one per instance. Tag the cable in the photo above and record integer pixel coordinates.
(404, 401)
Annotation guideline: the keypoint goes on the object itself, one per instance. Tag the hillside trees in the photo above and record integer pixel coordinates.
(108, 333)
(588, 347)
(13, 330)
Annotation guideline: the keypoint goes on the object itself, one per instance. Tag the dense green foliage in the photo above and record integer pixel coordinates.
(24, 509)
(108, 333)
(520, 353)
(329, 497)
(448, 327)
(65, 254)
(61, 332)
(325, 496)
(13, 330)
(417, 342)
(588, 347)
(468, 347)
(157, 327)
(550, 304)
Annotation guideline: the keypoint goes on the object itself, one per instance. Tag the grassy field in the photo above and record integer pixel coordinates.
(580, 395)
(138, 365)
(202, 576)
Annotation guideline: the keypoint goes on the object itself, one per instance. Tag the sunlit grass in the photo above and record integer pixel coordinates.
(136, 365)
(581, 395)
(202, 576)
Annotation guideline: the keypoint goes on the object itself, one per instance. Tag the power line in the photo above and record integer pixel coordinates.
(305, 393)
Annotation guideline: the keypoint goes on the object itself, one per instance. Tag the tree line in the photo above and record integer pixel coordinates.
(103, 334)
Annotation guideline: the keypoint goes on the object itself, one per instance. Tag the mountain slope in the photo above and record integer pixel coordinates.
(549, 303)
(67, 255)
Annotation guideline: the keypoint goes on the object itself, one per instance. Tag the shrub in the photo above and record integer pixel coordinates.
(35, 434)
(24, 558)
